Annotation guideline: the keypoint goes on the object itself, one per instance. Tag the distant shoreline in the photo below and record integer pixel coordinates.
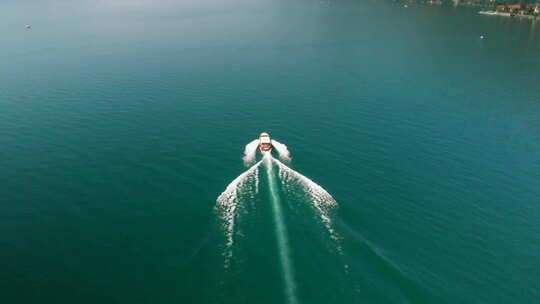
(523, 11)
(506, 14)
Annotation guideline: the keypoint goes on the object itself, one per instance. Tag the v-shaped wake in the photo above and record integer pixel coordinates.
(245, 187)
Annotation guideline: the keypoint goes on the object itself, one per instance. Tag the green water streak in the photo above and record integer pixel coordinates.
(281, 235)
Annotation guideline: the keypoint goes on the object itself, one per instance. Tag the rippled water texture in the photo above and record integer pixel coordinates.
(121, 122)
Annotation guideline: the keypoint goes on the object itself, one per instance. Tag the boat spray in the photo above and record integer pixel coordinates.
(250, 152)
(248, 182)
(282, 149)
(229, 201)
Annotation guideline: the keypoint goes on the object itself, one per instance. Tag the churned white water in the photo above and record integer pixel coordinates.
(283, 151)
(250, 152)
(281, 233)
(229, 201)
(321, 201)
(244, 188)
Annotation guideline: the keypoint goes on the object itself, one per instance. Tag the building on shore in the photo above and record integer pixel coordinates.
(510, 7)
(520, 9)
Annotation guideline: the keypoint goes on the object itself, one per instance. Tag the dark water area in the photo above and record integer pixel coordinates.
(122, 121)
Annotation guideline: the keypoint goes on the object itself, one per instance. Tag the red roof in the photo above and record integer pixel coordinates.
(511, 6)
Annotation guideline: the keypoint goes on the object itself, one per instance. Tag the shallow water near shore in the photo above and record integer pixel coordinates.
(123, 121)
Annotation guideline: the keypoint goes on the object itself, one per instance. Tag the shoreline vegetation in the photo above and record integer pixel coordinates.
(508, 14)
(516, 8)
(530, 11)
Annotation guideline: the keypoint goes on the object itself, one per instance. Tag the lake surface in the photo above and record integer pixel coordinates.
(121, 122)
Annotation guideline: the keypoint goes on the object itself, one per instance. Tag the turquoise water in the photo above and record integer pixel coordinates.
(122, 122)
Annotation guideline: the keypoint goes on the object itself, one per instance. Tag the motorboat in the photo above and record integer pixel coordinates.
(265, 144)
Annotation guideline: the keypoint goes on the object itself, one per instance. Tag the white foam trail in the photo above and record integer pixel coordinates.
(320, 196)
(256, 176)
(321, 200)
(281, 234)
(250, 152)
(228, 202)
(284, 153)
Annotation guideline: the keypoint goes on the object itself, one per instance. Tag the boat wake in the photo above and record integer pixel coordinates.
(321, 201)
(250, 152)
(245, 185)
(281, 234)
(283, 151)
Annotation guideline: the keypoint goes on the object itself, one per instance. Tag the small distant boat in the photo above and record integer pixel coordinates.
(265, 143)
(28, 26)
(491, 13)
